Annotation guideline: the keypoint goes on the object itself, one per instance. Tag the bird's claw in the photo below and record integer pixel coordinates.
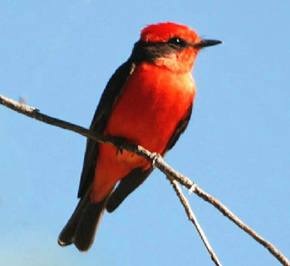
(119, 145)
(154, 156)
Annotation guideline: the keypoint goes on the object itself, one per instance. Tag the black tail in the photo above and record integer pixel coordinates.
(81, 228)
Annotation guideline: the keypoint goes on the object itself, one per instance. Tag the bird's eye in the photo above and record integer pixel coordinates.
(177, 42)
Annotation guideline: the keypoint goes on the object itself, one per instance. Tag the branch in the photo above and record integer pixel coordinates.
(156, 160)
(193, 219)
(226, 212)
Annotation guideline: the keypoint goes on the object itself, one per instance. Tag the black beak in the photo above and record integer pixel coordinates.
(205, 43)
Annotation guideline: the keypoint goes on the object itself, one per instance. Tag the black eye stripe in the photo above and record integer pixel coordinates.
(177, 42)
(150, 51)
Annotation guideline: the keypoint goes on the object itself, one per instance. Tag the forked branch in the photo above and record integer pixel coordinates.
(193, 219)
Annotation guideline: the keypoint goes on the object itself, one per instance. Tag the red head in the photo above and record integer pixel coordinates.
(170, 45)
(162, 32)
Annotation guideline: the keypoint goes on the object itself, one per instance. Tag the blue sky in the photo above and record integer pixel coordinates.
(59, 55)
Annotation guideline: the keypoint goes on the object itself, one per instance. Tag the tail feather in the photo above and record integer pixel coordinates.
(66, 236)
(88, 224)
(81, 228)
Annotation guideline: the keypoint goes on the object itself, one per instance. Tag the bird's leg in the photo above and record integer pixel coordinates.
(154, 156)
(119, 141)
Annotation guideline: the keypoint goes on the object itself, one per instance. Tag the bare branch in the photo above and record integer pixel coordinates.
(226, 212)
(193, 219)
(158, 162)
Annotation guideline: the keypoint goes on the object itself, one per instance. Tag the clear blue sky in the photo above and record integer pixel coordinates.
(59, 55)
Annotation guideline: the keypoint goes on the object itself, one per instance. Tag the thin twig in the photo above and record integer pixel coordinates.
(158, 162)
(226, 212)
(193, 219)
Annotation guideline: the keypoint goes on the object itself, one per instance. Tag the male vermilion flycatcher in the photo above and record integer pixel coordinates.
(147, 101)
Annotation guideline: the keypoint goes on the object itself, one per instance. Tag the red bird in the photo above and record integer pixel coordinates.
(147, 101)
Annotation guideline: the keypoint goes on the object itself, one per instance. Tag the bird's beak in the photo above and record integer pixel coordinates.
(205, 43)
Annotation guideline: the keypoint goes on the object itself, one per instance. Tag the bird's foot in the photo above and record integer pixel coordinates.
(154, 156)
(119, 141)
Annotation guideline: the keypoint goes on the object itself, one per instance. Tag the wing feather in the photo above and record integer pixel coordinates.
(109, 97)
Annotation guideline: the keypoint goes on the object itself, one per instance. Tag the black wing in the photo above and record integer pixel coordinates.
(180, 128)
(109, 97)
(127, 185)
(136, 177)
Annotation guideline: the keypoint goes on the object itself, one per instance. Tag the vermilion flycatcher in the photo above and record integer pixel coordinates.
(148, 101)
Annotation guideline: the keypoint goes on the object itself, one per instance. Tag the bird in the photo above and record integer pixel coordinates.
(148, 101)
